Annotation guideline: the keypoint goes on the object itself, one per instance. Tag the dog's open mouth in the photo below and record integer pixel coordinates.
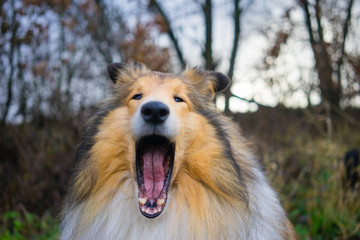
(154, 164)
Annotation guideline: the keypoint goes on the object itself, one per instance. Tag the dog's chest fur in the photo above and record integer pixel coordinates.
(121, 219)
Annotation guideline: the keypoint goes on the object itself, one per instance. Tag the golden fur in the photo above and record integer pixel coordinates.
(217, 189)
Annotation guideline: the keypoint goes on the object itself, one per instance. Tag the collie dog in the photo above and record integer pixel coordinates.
(159, 161)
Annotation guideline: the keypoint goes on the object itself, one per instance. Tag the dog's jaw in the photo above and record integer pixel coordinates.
(154, 164)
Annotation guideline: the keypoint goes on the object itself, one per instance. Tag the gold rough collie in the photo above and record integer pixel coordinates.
(158, 161)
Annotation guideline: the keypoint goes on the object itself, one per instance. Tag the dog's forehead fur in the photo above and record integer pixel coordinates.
(201, 84)
(158, 79)
(147, 83)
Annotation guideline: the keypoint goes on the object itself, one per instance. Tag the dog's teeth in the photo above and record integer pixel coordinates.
(160, 202)
(147, 211)
(155, 210)
(142, 201)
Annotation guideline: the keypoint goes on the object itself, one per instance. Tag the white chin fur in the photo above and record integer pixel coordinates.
(169, 129)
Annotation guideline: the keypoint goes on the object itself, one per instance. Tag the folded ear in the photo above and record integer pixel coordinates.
(207, 82)
(115, 70)
(220, 81)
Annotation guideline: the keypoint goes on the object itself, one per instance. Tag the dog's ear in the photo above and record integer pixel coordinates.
(116, 70)
(207, 82)
(220, 81)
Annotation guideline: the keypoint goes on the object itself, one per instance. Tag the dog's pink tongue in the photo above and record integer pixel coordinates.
(154, 175)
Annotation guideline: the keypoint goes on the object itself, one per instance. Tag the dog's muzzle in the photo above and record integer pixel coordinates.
(155, 129)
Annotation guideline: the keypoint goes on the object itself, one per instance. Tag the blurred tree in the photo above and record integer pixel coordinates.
(333, 42)
(13, 37)
(51, 53)
(237, 30)
(164, 24)
(329, 54)
(139, 46)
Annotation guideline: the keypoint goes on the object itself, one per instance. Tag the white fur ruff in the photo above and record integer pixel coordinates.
(121, 218)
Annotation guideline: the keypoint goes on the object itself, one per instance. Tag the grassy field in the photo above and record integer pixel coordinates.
(304, 162)
(314, 196)
(24, 225)
(302, 157)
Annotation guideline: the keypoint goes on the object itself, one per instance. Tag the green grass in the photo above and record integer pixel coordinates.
(18, 226)
(316, 201)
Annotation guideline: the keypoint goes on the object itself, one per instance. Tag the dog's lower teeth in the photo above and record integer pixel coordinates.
(160, 202)
(142, 201)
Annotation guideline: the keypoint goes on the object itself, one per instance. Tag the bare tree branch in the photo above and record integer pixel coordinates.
(170, 32)
(209, 61)
(249, 100)
(237, 14)
(318, 14)
(305, 5)
(237, 30)
(345, 33)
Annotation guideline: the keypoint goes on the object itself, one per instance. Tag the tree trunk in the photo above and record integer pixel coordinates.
(13, 43)
(170, 32)
(209, 61)
(227, 92)
(330, 88)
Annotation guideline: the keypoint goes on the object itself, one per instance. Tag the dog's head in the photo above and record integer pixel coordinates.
(161, 108)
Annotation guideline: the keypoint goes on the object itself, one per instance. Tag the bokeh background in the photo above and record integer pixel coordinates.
(295, 70)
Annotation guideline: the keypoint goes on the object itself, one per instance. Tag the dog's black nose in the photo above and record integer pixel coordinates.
(155, 112)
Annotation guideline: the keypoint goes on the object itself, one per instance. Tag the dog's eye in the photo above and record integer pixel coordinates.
(178, 99)
(137, 96)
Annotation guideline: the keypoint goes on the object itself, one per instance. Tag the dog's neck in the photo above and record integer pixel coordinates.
(121, 217)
